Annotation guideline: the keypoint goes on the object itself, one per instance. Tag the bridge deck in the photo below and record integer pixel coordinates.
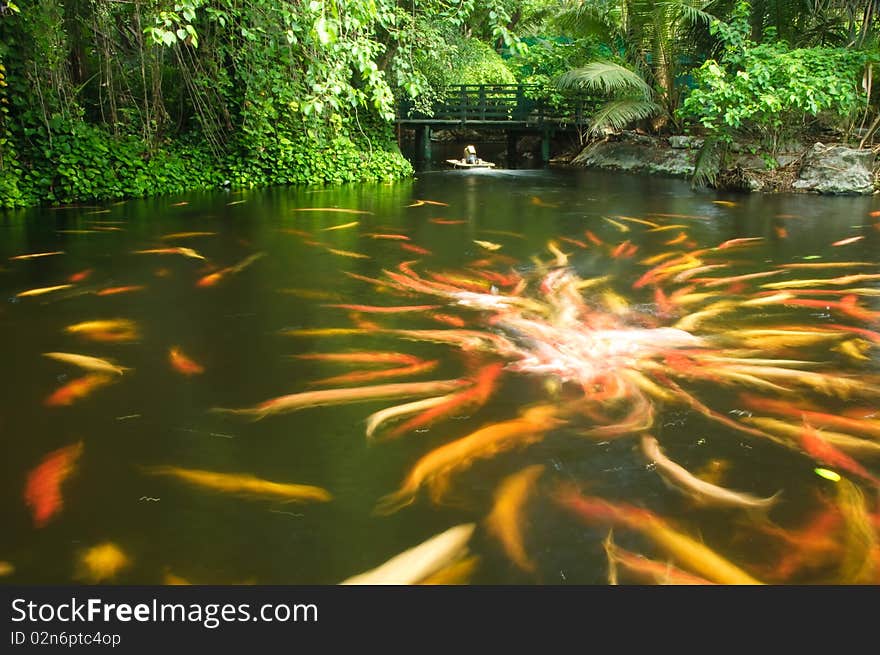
(499, 105)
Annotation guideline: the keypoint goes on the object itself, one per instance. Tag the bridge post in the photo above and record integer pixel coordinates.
(545, 146)
(423, 144)
(512, 138)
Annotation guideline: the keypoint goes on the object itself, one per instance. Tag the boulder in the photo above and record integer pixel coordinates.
(685, 142)
(637, 153)
(836, 169)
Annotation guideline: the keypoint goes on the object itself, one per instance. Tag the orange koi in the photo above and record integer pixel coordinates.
(574, 242)
(594, 239)
(724, 203)
(744, 241)
(822, 451)
(448, 319)
(183, 364)
(682, 236)
(362, 357)
(686, 550)
(369, 376)
(664, 228)
(447, 221)
(646, 570)
(186, 235)
(335, 210)
(112, 291)
(392, 237)
(537, 202)
(781, 232)
(374, 309)
(186, 252)
(416, 249)
(506, 518)
(42, 491)
(826, 265)
(344, 226)
(434, 468)
(77, 389)
(475, 397)
(82, 275)
(213, 278)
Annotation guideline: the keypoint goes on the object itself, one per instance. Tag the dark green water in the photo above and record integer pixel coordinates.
(155, 416)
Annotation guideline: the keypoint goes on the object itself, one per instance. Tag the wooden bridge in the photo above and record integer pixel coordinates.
(506, 107)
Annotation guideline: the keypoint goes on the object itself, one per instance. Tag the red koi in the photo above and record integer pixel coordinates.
(448, 319)
(574, 242)
(82, 275)
(112, 291)
(77, 389)
(592, 237)
(42, 491)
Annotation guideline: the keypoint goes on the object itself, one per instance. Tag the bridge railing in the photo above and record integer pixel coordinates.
(494, 103)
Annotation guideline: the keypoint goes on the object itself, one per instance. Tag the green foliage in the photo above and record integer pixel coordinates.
(769, 91)
(478, 63)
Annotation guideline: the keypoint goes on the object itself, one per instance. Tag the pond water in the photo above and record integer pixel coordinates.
(537, 278)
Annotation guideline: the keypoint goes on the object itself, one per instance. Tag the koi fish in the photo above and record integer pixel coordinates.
(36, 254)
(744, 241)
(475, 397)
(243, 484)
(416, 249)
(448, 319)
(88, 363)
(297, 401)
(698, 489)
(187, 235)
(102, 562)
(646, 570)
(336, 210)
(837, 281)
(77, 389)
(665, 228)
(112, 291)
(594, 239)
(42, 290)
(82, 275)
(434, 468)
(574, 242)
(186, 252)
(376, 309)
(447, 221)
(824, 453)
(42, 492)
(420, 203)
(383, 416)
(537, 202)
(724, 203)
(6, 569)
(620, 226)
(117, 329)
(488, 245)
(859, 538)
(457, 573)
(826, 265)
(347, 253)
(183, 364)
(390, 237)
(506, 518)
(368, 376)
(418, 563)
(846, 242)
(630, 219)
(213, 278)
(344, 226)
(311, 294)
(682, 236)
(794, 433)
(687, 551)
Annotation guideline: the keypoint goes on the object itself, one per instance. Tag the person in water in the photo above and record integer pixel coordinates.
(470, 155)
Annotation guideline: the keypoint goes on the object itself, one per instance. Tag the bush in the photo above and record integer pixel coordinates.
(769, 92)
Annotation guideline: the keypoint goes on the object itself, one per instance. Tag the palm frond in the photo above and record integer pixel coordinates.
(617, 114)
(708, 163)
(606, 77)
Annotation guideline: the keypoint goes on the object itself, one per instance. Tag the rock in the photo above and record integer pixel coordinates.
(637, 154)
(685, 142)
(836, 169)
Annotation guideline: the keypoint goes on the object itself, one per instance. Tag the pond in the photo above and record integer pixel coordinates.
(548, 324)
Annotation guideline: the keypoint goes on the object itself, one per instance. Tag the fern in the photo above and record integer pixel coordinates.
(709, 162)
